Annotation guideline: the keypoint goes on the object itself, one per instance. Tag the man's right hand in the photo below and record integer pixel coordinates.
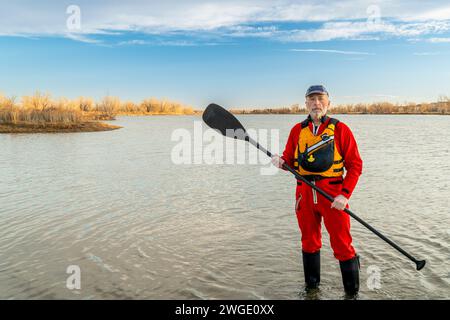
(277, 161)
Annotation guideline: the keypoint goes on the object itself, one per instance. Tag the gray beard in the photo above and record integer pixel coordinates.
(319, 116)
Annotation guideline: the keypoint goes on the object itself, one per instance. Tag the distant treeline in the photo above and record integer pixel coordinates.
(42, 108)
(440, 107)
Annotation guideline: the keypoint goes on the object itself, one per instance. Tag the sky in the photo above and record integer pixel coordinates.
(246, 53)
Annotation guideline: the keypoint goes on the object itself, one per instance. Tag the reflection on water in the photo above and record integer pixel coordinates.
(141, 227)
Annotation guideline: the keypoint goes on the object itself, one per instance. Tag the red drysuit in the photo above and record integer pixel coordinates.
(311, 207)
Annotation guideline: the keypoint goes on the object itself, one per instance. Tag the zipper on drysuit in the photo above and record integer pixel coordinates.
(315, 131)
(314, 193)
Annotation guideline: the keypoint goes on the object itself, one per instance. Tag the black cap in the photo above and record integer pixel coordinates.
(316, 89)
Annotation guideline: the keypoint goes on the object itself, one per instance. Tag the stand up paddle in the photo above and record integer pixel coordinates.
(220, 119)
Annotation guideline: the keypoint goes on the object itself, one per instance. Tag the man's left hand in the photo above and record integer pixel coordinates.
(340, 202)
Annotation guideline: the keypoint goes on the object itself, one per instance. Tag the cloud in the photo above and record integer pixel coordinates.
(382, 95)
(426, 53)
(82, 38)
(134, 42)
(370, 97)
(174, 43)
(349, 30)
(253, 31)
(439, 40)
(442, 13)
(332, 51)
(282, 20)
(355, 59)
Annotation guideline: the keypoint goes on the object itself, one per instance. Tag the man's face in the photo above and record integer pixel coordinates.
(317, 105)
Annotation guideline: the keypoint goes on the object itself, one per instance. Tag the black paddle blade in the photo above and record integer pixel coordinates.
(420, 264)
(222, 120)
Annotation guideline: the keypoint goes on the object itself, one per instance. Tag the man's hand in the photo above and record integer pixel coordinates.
(277, 161)
(340, 202)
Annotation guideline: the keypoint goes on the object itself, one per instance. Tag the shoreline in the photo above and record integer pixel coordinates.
(349, 113)
(89, 126)
(196, 113)
(137, 114)
(95, 126)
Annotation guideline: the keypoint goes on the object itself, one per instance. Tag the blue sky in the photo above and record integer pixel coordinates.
(237, 53)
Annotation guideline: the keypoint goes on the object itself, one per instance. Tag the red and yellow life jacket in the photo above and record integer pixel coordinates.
(317, 155)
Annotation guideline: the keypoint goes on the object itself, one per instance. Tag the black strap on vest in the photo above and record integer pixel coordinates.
(305, 122)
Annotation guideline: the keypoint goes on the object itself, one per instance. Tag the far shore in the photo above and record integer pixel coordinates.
(441, 107)
(346, 113)
(89, 126)
(40, 113)
(138, 114)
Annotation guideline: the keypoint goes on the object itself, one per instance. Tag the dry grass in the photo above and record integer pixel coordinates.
(154, 106)
(41, 109)
(442, 106)
(41, 113)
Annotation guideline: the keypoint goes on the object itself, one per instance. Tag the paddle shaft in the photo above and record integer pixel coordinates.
(418, 263)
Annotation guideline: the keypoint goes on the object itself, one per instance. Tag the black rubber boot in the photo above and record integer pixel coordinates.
(350, 275)
(311, 268)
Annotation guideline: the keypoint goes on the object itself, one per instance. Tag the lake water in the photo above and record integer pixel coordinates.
(139, 226)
